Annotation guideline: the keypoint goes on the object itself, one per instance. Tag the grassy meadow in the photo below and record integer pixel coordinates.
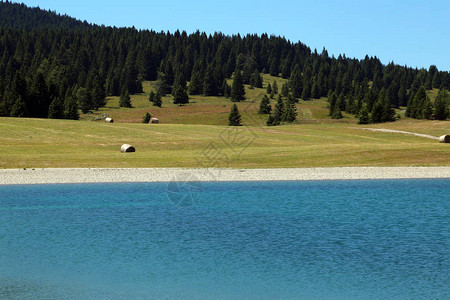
(196, 135)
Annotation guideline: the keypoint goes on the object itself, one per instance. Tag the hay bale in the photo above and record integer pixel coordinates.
(109, 120)
(127, 148)
(154, 120)
(444, 139)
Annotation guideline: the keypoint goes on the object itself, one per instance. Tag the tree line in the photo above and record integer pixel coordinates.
(52, 65)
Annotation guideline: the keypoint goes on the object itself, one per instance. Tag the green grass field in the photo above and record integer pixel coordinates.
(196, 135)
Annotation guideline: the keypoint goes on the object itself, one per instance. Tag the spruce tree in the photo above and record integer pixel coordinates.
(363, 115)
(56, 109)
(84, 100)
(280, 110)
(157, 100)
(146, 118)
(19, 108)
(377, 112)
(196, 84)
(269, 89)
(306, 93)
(179, 93)
(237, 89)
(71, 109)
(285, 89)
(290, 113)
(296, 82)
(234, 118)
(332, 100)
(125, 99)
(337, 114)
(441, 103)
(151, 96)
(275, 87)
(264, 106)
(180, 96)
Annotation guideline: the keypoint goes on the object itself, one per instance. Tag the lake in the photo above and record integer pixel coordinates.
(366, 239)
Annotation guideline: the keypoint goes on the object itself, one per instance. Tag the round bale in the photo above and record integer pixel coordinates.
(127, 148)
(109, 120)
(444, 139)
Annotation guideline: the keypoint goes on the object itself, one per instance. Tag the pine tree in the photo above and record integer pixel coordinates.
(280, 111)
(237, 89)
(275, 87)
(264, 106)
(71, 108)
(151, 96)
(290, 112)
(98, 92)
(19, 108)
(234, 118)
(271, 121)
(427, 109)
(284, 89)
(441, 103)
(306, 93)
(147, 118)
(196, 84)
(84, 100)
(209, 84)
(332, 100)
(363, 116)
(56, 109)
(377, 112)
(337, 114)
(125, 99)
(269, 89)
(180, 96)
(157, 101)
(296, 82)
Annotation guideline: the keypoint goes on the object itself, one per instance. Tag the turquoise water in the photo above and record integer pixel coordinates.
(259, 240)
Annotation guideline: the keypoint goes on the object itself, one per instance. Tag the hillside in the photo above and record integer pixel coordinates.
(19, 16)
(63, 65)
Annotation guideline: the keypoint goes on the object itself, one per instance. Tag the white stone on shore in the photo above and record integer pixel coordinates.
(81, 175)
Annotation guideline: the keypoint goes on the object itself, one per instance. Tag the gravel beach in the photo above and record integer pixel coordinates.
(92, 175)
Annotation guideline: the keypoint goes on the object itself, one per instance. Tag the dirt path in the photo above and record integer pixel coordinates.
(399, 131)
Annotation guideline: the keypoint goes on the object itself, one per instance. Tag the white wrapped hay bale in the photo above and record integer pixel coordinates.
(154, 120)
(109, 120)
(127, 148)
(444, 139)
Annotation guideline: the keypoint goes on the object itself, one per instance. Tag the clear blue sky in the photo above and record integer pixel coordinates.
(411, 32)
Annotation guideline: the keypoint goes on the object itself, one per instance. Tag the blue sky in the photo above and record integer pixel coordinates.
(411, 32)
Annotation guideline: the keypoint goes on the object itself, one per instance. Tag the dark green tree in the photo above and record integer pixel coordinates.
(269, 89)
(71, 108)
(196, 84)
(290, 113)
(151, 96)
(275, 87)
(234, 118)
(147, 118)
(280, 111)
(296, 82)
(441, 103)
(377, 112)
(363, 115)
(180, 95)
(84, 100)
(337, 114)
(237, 88)
(19, 108)
(56, 109)
(157, 100)
(125, 99)
(264, 106)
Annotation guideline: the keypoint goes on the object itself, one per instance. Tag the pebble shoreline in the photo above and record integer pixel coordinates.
(105, 175)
